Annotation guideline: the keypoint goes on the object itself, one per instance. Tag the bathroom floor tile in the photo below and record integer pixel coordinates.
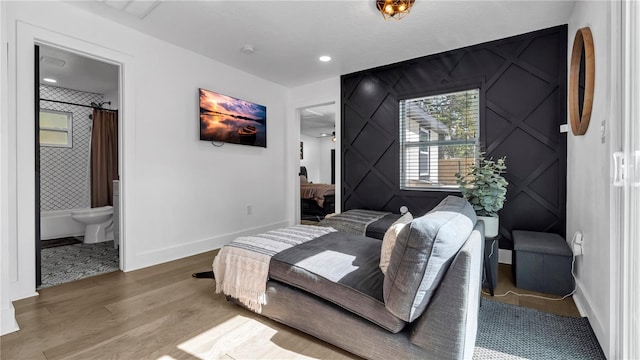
(64, 264)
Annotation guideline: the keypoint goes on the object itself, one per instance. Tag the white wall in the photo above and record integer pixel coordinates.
(180, 196)
(317, 158)
(114, 97)
(325, 145)
(311, 157)
(588, 173)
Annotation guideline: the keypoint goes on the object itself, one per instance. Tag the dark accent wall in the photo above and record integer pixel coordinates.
(522, 81)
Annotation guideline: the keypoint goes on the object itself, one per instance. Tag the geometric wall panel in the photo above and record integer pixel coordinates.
(541, 47)
(517, 103)
(540, 184)
(64, 172)
(522, 82)
(524, 153)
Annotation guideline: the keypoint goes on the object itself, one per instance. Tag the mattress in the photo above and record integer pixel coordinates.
(341, 268)
(377, 228)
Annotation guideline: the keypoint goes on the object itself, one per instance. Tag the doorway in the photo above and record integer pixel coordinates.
(317, 162)
(73, 93)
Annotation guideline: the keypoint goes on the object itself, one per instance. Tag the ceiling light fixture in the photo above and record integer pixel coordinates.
(247, 49)
(325, 58)
(49, 80)
(49, 60)
(394, 9)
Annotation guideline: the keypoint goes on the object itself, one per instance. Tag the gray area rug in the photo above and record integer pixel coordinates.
(63, 264)
(513, 332)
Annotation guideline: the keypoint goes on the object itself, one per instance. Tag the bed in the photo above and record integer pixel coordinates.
(316, 200)
(369, 223)
(331, 285)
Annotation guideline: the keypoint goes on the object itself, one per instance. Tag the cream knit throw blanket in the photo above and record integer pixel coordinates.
(242, 267)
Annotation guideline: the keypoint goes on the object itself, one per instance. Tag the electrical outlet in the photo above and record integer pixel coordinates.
(577, 249)
(577, 244)
(249, 210)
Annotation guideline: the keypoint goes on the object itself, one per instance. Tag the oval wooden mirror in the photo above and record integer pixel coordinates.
(581, 81)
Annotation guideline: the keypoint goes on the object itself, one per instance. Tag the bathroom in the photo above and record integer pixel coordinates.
(78, 166)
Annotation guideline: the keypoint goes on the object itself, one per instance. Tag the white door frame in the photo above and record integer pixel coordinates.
(22, 132)
(627, 346)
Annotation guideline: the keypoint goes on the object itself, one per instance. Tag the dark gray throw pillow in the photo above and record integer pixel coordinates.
(422, 254)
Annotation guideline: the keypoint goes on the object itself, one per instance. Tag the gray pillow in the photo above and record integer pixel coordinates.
(422, 254)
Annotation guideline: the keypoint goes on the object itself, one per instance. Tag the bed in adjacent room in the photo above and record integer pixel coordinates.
(316, 200)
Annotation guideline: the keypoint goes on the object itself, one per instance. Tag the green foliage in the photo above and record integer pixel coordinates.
(459, 112)
(484, 187)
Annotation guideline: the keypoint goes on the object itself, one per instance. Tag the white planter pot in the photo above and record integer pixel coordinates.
(491, 225)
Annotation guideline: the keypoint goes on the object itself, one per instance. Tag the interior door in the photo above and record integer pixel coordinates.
(36, 97)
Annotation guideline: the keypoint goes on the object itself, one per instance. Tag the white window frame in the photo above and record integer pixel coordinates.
(68, 130)
(430, 144)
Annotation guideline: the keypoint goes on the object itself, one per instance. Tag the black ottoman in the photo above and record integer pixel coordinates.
(542, 262)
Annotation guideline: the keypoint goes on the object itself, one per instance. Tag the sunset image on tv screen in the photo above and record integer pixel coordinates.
(227, 119)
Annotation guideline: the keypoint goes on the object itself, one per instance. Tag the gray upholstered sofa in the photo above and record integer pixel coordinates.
(426, 306)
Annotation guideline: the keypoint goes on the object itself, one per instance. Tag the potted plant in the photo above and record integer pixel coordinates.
(485, 188)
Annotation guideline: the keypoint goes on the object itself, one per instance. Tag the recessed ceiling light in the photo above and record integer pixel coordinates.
(49, 80)
(325, 58)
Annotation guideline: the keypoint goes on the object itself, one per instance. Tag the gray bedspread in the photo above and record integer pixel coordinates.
(341, 268)
(353, 221)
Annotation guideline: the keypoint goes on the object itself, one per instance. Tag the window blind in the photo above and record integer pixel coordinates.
(438, 138)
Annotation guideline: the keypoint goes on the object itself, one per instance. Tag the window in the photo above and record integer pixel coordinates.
(438, 138)
(55, 128)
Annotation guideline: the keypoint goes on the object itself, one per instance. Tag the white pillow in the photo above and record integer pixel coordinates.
(389, 239)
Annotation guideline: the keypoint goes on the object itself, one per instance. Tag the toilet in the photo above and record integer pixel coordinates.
(96, 220)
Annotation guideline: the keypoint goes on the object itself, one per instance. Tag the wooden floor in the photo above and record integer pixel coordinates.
(564, 307)
(161, 312)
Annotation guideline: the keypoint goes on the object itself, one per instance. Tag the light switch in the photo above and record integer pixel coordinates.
(603, 131)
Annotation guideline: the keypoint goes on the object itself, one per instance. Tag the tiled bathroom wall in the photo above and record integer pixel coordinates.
(64, 172)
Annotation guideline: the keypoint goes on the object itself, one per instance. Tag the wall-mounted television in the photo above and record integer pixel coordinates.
(227, 119)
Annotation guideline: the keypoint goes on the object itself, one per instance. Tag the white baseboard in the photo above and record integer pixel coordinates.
(9, 323)
(179, 251)
(21, 293)
(504, 256)
(581, 300)
(584, 308)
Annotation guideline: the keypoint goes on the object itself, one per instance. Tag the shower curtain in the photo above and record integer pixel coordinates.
(104, 156)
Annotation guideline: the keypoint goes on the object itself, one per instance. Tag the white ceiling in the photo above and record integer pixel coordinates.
(289, 36)
(77, 72)
(318, 121)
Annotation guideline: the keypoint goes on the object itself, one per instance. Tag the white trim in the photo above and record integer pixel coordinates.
(296, 127)
(584, 308)
(9, 323)
(170, 253)
(323, 92)
(21, 178)
(627, 328)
